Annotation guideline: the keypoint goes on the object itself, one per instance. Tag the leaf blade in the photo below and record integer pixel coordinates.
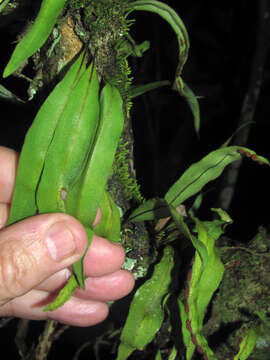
(37, 35)
(39, 137)
(204, 171)
(146, 313)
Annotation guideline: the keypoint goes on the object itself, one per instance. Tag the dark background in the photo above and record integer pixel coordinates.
(223, 44)
(223, 37)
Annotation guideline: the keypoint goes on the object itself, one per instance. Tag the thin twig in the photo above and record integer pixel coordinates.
(45, 340)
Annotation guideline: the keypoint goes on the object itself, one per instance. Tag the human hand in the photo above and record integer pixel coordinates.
(35, 254)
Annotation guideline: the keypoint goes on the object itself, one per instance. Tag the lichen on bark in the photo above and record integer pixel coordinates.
(244, 291)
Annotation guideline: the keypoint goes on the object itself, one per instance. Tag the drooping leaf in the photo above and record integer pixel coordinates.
(169, 15)
(36, 35)
(193, 104)
(64, 294)
(176, 23)
(183, 229)
(146, 310)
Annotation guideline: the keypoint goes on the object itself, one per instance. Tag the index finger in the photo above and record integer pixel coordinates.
(8, 168)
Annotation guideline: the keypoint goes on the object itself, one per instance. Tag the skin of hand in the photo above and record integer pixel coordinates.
(35, 256)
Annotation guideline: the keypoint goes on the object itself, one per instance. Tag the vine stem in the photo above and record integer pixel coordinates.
(46, 339)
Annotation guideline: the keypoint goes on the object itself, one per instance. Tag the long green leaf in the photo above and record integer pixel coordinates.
(146, 311)
(202, 281)
(204, 171)
(88, 192)
(212, 272)
(192, 181)
(37, 34)
(36, 144)
(68, 152)
(68, 155)
(168, 14)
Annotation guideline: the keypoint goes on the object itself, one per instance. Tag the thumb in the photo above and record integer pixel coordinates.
(35, 248)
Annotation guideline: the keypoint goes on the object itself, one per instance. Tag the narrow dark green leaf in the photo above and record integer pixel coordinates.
(150, 210)
(193, 104)
(37, 34)
(206, 170)
(146, 310)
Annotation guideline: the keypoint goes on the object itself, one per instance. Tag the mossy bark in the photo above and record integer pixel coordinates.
(244, 292)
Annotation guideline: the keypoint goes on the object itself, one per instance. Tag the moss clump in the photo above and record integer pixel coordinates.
(107, 28)
(125, 174)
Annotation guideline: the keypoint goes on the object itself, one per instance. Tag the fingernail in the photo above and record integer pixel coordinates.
(60, 241)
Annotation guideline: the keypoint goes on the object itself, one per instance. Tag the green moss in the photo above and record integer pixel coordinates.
(108, 27)
(123, 172)
(77, 4)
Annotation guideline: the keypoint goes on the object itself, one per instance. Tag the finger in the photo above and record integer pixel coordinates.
(9, 161)
(108, 287)
(79, 312)
(35, 248)
(76, 312)
(4, 214)
(104, 288)
(98, 217)
(103, 257)
(55, 282)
